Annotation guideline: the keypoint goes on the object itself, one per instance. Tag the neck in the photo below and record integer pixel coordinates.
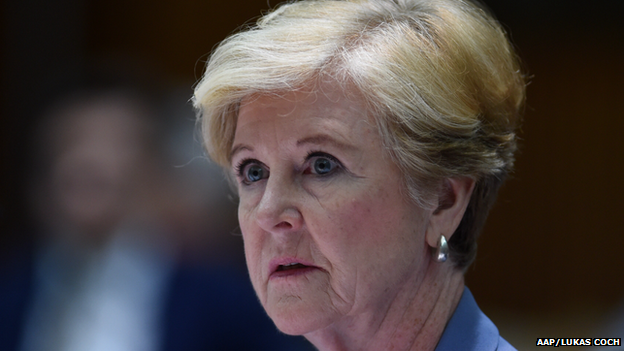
(414, 320)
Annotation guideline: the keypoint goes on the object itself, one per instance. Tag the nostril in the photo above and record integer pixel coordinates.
(284, 225)
(279, 217)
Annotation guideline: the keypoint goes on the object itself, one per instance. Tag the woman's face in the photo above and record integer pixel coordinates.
(328, 232)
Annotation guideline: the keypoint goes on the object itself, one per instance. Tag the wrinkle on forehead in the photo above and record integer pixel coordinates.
(328, 116)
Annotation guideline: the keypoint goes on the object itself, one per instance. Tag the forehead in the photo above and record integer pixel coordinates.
(324, 108)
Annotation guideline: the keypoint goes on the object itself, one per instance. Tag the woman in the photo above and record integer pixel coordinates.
(367, 140)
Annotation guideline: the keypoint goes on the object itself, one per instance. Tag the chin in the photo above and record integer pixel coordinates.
(292, 315)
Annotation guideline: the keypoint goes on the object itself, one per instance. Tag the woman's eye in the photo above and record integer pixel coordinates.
(250, 171)
(254, 173)
(322, 165)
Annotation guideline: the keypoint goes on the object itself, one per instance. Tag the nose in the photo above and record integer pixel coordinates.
(279, 209)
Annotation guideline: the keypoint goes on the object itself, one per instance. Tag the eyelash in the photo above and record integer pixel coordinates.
(240, 167)
(324, 155)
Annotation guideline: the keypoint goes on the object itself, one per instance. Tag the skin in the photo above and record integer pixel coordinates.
(373, 283)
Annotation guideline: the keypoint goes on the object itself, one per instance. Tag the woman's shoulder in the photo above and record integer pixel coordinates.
(470, 329)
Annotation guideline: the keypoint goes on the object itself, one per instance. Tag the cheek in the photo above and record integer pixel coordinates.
(348, 233)
(246, 221)
(368, 216)
(251, 241)
(372, 228)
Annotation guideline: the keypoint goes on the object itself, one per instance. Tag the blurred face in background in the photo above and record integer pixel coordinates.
(97, 150)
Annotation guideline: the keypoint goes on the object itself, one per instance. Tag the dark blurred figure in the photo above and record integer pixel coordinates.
(105, 273)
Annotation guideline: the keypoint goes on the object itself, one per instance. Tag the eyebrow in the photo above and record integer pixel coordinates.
(317, 139)
(238, 148)
(320, 139)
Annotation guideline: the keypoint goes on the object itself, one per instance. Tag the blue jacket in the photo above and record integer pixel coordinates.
(469, 329)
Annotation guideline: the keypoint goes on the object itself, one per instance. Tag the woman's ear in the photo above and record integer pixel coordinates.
(453, 200)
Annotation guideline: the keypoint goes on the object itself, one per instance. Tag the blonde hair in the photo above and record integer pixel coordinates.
(440, 77)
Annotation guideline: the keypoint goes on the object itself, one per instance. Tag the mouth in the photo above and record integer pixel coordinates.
(287, 267)
(290, 266)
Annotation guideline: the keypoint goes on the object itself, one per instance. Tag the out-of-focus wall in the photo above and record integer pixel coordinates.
(550, 258)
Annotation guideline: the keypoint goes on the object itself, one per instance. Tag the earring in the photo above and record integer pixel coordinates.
(442, 250)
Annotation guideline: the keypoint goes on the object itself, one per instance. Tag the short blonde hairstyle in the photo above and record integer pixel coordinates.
(440, 78)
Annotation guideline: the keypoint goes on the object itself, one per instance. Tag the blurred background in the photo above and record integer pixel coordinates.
(550, 260)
